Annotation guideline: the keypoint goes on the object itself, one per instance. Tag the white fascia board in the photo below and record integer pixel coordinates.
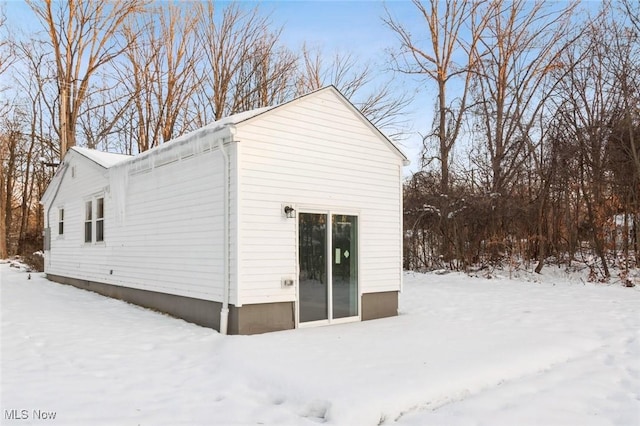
(52, 189)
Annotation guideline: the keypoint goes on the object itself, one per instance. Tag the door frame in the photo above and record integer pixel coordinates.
(329, 212)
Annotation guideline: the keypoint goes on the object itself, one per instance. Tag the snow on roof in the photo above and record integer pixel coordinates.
(209, 128)
(104, 159)
(241, 116)
(226, 121)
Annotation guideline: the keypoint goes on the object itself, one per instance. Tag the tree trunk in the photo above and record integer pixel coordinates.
(3, 224)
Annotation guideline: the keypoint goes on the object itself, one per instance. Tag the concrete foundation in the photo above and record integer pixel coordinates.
(247, 319)
(379, 305)
(262, 318)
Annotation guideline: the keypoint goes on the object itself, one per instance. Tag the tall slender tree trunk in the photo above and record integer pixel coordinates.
(3, 223)
(26, 202)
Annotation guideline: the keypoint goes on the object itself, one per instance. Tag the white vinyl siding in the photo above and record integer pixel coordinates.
(71, 256)
(317, 155)
(169, 235)
(173, 227)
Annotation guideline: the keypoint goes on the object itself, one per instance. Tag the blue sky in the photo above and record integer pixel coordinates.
(347, 25)
(357, 27)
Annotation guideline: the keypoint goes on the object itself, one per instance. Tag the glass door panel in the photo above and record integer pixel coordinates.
(312, 248)
(344, 266)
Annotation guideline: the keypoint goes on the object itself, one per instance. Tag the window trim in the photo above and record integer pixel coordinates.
(93, 221)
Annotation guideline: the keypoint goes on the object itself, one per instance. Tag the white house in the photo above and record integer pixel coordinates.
(272, 219)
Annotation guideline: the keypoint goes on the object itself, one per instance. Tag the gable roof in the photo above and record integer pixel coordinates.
(246, 116)
(342, 98)
(99, 158)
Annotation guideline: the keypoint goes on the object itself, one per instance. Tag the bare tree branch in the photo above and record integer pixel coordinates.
(82, 37)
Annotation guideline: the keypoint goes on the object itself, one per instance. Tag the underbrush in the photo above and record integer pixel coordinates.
(29, 263)
(585, 267)
(35, 261)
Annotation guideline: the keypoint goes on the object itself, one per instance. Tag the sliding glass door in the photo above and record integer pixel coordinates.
(344, 271)
(328, 265)
(312, 253)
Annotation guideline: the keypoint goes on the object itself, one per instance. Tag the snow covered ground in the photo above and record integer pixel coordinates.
(465, 351)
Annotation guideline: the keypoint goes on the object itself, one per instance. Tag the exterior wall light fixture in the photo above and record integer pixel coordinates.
(289, 212)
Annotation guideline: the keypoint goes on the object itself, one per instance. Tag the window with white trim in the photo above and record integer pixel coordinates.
(61, 221)
(100, 219)
(88, 221)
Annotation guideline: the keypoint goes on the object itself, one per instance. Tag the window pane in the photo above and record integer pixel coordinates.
(100, 208)
(99, 230)
(88, 207)
(87, 232)
(344, 271)
(61, 221)
(314, 298)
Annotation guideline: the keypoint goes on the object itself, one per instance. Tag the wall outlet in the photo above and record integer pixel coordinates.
(287, 282)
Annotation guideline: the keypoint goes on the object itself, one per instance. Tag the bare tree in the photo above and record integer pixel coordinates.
(631, 9)
(264, 79)
(445, 56)
(12, 140)
(624, 65)
(522, 43)
(33, 84)
(632, 101)
(7, 50)
(434, 56)
(162, 63)
(24, 126)
(6, 57)
(592, 100)
(82, 38)
(383, 104)
(5, 147)
(228, 43)
(101, 118)
(341, 70)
